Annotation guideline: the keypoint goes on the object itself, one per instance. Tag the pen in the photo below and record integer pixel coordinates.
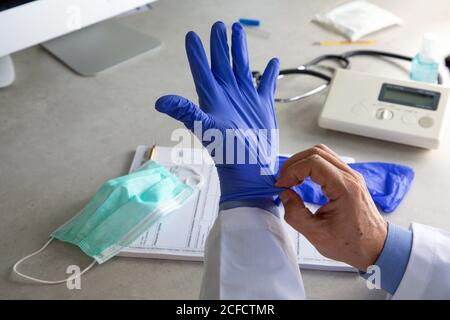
(343, 42)
(249, 22)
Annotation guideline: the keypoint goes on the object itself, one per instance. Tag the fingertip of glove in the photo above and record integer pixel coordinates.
(274, 63)
(237, 27)
(191, 38)
(191, 34)
(164, 102)
(219, 26)
(275, 60)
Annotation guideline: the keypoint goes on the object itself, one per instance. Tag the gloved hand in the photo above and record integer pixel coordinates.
(229, 100)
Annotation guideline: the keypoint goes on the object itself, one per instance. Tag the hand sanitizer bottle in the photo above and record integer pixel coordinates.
(425, 65)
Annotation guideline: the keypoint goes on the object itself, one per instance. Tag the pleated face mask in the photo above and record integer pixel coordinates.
(121, 210)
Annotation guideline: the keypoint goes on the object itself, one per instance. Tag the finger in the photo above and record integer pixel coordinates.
(324, 152)
(295, 212)
(317, 149)
(205, 83)
(239, 51)
(336, 158)
(327, 149)
(183, 110)
(281, 161)
(220, 54)
(268, 83)
(318, 169)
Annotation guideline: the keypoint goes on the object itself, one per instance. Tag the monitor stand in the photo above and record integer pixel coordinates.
(98, 47)
(7, 73)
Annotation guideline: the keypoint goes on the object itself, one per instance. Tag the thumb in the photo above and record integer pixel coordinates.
(268, 83)
(295, 212)
(183, 110)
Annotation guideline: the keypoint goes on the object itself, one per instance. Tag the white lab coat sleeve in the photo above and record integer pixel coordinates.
(249, 255)
(427, 275)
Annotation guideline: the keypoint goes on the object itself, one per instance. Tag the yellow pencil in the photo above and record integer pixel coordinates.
(151, 152)
(344, 42)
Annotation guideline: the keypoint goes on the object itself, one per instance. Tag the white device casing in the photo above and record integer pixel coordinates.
(39, 21)
(353, 106)
(7, 74)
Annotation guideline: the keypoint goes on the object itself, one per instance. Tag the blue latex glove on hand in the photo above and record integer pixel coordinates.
(388, 184)
(229, 100)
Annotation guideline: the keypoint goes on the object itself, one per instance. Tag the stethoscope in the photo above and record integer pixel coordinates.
(311, 67)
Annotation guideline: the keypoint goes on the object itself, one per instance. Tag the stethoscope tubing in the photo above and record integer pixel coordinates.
(344, 61)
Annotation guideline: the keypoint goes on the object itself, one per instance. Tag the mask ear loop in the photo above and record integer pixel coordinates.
(46, 281)
(191, 181)
(195, 182)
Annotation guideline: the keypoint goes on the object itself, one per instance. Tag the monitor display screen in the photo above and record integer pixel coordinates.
(8, 4)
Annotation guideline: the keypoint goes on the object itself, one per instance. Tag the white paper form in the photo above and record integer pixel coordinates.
(183, 233)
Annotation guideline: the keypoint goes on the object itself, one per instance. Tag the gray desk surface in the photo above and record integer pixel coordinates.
(62, 136)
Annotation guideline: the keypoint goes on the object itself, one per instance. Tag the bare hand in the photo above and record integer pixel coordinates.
(349, 227)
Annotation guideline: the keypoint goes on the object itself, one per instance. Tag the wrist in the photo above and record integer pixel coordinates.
(374, 247)
(266, 204)
(394, 258)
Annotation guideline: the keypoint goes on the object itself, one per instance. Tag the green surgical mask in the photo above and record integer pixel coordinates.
(121, 210)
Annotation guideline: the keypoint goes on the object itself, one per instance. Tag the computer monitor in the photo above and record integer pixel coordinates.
(69, 29)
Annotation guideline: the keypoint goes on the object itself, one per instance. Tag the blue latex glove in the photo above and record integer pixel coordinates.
(388, 184)
(229, 100)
